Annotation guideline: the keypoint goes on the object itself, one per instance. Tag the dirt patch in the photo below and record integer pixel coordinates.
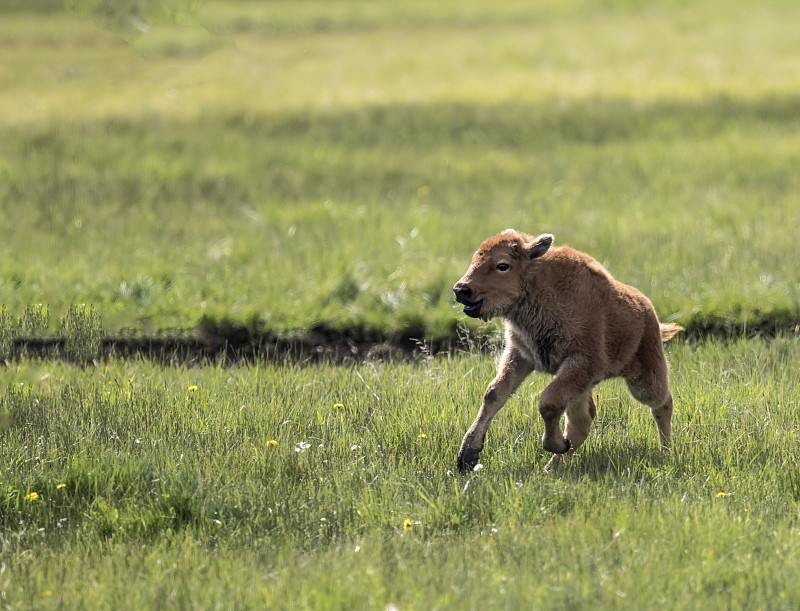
(320, 344)
(200, 348)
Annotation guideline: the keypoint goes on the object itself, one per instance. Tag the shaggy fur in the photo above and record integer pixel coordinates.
(565, 315)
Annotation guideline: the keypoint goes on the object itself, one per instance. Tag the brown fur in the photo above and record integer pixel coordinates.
(565, 315)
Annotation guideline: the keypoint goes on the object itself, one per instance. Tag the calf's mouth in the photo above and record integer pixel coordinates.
(471, 308)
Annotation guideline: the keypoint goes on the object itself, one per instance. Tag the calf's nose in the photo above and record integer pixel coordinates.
(462, 292)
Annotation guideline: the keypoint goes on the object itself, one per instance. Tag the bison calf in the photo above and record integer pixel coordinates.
(564, 315)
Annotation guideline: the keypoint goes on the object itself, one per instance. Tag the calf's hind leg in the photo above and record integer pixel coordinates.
(648, 382)
(660, 408)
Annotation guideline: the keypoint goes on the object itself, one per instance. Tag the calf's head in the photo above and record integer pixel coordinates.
(496, 278)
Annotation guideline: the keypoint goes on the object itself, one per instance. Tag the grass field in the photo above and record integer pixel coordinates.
(275, 486)
(288, 165)
(284, 165)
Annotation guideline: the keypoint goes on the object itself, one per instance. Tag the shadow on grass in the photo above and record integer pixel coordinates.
(412, 128)
(594, 120)
(630, 459)
(428, 126)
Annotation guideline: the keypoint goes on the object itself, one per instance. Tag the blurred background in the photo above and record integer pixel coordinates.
(286, 166)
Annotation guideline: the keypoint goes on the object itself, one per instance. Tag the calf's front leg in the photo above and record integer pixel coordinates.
(571, 386)
(513, 369)
(580, 414)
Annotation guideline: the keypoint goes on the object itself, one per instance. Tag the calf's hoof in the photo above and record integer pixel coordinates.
(556, 448)
(467, 459)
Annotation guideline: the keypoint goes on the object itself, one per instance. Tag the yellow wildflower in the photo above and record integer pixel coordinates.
(422, 436)
(60, 486)
(192, 388)
(31, 496)
(272, 442)
(408, 524)
(338, 405)
(719, 494)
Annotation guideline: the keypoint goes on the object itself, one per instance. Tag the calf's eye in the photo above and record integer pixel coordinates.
(503, 267)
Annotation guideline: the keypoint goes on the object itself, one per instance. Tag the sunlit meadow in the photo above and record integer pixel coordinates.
(285, 165)
(293, 165)
(333, 487)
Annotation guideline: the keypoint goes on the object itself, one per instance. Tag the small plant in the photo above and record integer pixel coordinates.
(83, 331)
(35, 320)
(7, 333)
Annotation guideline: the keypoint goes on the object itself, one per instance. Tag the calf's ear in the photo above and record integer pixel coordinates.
(539, 246)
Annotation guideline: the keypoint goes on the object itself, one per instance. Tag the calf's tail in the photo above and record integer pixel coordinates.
(669, 330)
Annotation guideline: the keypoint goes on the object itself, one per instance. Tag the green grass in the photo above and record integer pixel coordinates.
(288, 164)
(178, 489)
(283, 165)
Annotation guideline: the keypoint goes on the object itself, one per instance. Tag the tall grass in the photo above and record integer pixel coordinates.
(170, 477)
(285, 164)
